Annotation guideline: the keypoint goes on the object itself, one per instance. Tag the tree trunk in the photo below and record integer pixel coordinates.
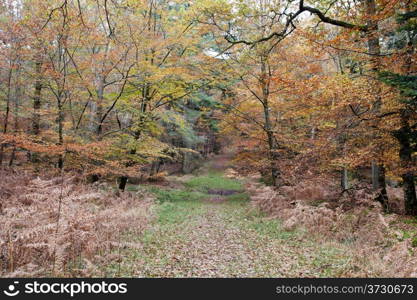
(6, 117)
(409, 188)
(98, 113)
(344, 180)
(122, 183)
(12, 157)
(16, 113)
(60, 121)
(405, 153)
(138, 133)
(272, 144)
(313, 133)
(275, 173)
(374, 48)
(96, 118)
(382, 196)
(92, 117)
(36, 118)
(273, 155)
(123, 179)
(405, 138)
(375, 175)
(37, 100)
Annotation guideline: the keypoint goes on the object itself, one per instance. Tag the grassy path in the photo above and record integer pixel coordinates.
(198, 234)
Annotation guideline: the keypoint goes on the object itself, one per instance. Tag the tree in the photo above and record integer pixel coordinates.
(406, 83)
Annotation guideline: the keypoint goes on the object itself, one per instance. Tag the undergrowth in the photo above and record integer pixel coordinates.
(171, 245)
(380, 244)
(214, 181)
(63, 228)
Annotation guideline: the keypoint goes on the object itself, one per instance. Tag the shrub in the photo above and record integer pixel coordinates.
(355, 220)
(54, 227)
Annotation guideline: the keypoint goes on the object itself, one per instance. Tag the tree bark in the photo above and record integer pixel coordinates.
(99, 109)
(405, 153)
(344, 180)
(375, 175)
(374, 48)
(273, 155)
(96, 108)
(382, 196)
(16, 99)
(123, 179)
(404, 136)
(410, 200)
(6, 117)
(60, 121)
(36, 117)
(272, 144)
(37, 100)
(122, 183)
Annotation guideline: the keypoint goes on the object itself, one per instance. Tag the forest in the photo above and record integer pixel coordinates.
(208, 138)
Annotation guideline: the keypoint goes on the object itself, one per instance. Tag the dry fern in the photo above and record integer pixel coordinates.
(354, 220)
(91, 220)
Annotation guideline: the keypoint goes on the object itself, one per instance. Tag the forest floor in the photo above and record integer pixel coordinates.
(205, 226)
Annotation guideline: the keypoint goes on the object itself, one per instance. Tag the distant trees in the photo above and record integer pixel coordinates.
(362, 121)
(304, 87)
(264, 75)
(87, 83)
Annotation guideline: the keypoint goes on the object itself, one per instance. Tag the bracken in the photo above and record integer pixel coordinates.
(361, 227)
(39, 239)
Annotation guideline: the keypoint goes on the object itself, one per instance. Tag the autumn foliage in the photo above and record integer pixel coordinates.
(316, 100)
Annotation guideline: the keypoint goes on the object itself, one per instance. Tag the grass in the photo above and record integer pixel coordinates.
(178, 212)
(164, 232)
(197, 188)
(240, 198)
(410, 232)
(178, 204)
(414, 241)
(272, 228)
(329, 261)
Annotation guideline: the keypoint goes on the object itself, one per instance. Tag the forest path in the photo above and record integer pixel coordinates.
(198, 234)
